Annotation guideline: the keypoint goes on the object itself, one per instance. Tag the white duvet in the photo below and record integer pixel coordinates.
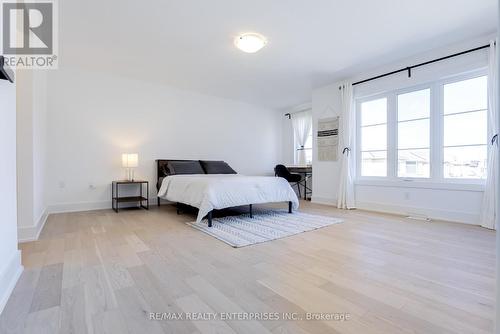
(219, 191)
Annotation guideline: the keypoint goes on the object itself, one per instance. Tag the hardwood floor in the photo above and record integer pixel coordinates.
(102, 272)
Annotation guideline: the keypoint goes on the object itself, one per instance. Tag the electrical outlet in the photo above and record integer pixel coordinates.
(62, 184)
(407, 196)
(92, 186)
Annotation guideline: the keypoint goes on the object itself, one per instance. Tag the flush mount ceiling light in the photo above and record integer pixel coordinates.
(250, 42)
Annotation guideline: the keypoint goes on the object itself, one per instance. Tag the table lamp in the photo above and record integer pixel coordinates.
(130, 161)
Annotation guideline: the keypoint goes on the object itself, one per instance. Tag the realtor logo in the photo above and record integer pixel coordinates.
(29, 34)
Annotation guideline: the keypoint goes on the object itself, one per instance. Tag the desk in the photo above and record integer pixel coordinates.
(305, 170)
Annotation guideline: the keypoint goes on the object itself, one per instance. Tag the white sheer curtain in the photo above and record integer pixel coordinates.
(302, 123)
(346, 185)
(490, 198)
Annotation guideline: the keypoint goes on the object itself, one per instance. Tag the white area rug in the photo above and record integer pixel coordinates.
(240, 231)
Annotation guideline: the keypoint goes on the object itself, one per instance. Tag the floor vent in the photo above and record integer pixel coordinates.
(418, 217)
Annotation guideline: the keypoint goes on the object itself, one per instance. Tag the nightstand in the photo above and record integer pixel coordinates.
(116, 199)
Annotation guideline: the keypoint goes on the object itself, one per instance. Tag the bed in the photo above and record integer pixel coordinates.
(214, 185)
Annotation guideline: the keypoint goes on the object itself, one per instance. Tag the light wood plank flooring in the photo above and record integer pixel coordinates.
(102, 272)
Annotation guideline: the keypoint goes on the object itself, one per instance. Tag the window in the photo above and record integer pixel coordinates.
(303, 136)
(374, 138)
(414, 111)
(436, 132)
(307, 149)
(465, 129)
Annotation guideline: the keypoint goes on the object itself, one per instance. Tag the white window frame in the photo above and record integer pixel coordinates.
(432, 134)
(358, 103)
(436, 178)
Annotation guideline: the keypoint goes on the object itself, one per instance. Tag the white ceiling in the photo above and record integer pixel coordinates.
(188, 44)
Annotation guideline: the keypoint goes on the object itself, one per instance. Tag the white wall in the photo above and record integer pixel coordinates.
(462, 205)
(39, 146)
(10, 256)
(325, 103)
(24, 105)
(31, 152)
(94, 117)
(288, 149)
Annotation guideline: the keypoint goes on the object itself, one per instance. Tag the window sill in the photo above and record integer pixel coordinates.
(420, 184)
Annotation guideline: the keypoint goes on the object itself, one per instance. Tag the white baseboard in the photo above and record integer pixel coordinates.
(446, 215)
(31, 233)
(324, 200)
(79, 206)
(9, 275)
(87, 206)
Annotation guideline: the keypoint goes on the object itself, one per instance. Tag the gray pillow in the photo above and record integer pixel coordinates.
(185, 167)
(217, 167)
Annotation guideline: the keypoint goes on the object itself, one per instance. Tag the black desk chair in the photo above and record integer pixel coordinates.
(282, 171)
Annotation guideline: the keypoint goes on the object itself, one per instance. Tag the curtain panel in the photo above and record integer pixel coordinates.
(489, 208)
(302, 123)
(345, 199)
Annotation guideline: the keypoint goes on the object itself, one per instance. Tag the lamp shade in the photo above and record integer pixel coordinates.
(130, 160)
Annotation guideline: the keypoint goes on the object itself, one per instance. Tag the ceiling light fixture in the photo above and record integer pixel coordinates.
(250, 42)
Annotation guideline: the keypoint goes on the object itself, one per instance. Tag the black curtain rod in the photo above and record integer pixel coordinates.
(409, 68)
